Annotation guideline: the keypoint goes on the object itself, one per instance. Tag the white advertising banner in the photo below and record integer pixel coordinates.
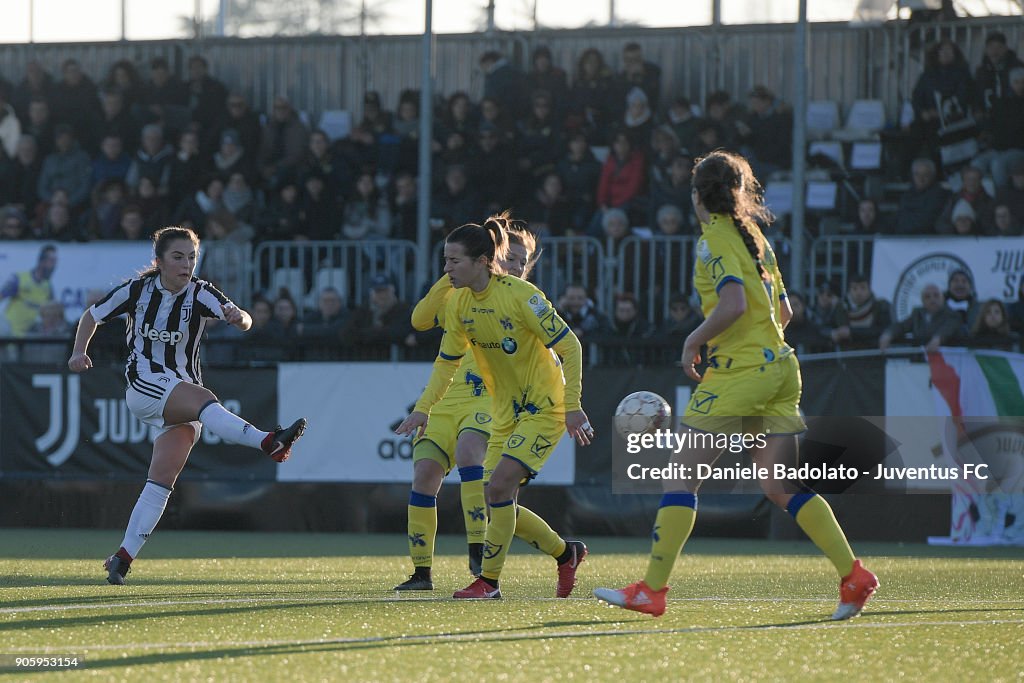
(901, 268)
(80, 268)
(353, 409)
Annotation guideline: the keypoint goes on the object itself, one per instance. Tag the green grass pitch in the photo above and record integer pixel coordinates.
(296, 607)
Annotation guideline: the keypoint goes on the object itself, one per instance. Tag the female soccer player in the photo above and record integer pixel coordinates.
(511, 329)
(752, 372)
(167, 309)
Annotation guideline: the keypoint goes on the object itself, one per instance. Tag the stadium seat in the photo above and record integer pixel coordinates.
(291, 279)
(822, 118)
(328, 277)
(336, 123)
(865, 119)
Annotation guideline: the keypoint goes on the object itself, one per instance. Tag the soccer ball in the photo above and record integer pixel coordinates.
(642, 412)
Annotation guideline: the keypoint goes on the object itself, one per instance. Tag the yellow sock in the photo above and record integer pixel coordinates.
(672, 527)
(499, 537)
(474, 506)
(815, 517)
(532, 528)
(422, 528)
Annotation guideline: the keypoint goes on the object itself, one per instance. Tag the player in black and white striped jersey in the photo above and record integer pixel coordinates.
(167, 308)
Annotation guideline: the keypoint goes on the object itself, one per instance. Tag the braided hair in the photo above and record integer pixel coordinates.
(725, 184)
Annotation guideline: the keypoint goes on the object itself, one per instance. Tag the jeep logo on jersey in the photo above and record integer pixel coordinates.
(164, 336)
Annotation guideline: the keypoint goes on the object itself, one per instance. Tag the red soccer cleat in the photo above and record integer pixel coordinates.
(478, 590)
(854, 591)
(567, 569)
(278, 443)
(638, 597)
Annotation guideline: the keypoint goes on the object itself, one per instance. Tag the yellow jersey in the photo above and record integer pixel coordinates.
(514, 333)
(757, 337)
(429, 313)
(27, 296)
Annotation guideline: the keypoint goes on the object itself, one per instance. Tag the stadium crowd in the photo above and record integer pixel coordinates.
(597, 152)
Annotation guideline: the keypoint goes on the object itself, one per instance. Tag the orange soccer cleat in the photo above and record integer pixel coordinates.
(638, 597)
(854, 591)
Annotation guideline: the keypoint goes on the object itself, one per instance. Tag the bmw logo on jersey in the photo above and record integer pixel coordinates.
(508, 345)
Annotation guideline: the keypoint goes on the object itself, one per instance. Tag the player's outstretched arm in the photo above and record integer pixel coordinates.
(236, 316)
(80, 360)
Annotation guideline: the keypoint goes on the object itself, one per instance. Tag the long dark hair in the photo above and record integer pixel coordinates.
(162, 239)
(725, 184)
(489, 240)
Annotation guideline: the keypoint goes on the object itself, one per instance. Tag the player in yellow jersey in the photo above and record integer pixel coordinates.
(28, 291)
(511, 329)
(751, 386)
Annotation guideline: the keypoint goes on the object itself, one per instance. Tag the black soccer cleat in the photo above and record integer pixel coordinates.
(476, 558)
(416, 582)
(117, 569)
(278, 443)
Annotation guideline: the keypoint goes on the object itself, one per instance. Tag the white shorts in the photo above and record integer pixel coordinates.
(147, 396)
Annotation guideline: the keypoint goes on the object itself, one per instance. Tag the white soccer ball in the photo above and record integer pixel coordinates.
(642, 412)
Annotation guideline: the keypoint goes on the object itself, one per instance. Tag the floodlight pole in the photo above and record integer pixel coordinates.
(426, 135)
(796, 275)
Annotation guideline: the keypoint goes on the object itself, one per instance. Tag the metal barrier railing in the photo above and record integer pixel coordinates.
(228, 265)
(654, 268)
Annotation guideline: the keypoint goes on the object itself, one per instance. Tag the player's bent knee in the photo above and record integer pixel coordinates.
(427, 476)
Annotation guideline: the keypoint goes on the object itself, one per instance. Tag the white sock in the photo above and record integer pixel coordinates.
(148, 510)
(229, 426)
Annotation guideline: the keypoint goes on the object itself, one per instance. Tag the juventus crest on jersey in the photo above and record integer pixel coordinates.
(163, 329)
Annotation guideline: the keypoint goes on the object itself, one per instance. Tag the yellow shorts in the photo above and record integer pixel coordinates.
(530, 442)
(448, 420)
(762, 400)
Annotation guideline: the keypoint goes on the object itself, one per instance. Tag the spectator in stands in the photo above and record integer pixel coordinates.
(722, 113)
(591, 107)
(766, 133)
(993, 74)
(628, 327)
(154, 209)
(131, 226)
(547, 213)
(622, 176)
(944, 93)
(1005, 225)
(672, 189)
(75, 103)
(1005, 132)
(124, 78)
(683, 318)
(13, 224)
(375, 118)
(683, 122)
(580, 313)
(283, 143)
(454, 204)
(961, 299)
(68, 168)
(407, 128)
(493, 176)
(614, 227)
(504, 83)
(282, 218)
(991, 329)
(104, 216)
(1015, 311)
(244, 121)
(321, 210)
(664, 148)
(383, 321)
(232, 157)
(544, 75)
(40, 125)
(153, 159)
(57, 225)
(669, 220)
(864, 317)
(1013, 195)
(541, 144)
(37, 85)
(241, 200)
(455, 150)
(194, 209)
(973, 194)
(321, 159)
(326, 323)
(709, 138)
(28, 166)
(366, 215)
(457, 118)
(404, 207)
(162, 94)
(931, 324)
(207, 99)
(112, 163)
(638, 73)
(186, 168)
(10, 126)
(963, 219)
(869, 221)
(827, 314)
(284, 324)
(114, 118)
(637, 120)
(921, 205)
(492, 113)
(580, 173)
